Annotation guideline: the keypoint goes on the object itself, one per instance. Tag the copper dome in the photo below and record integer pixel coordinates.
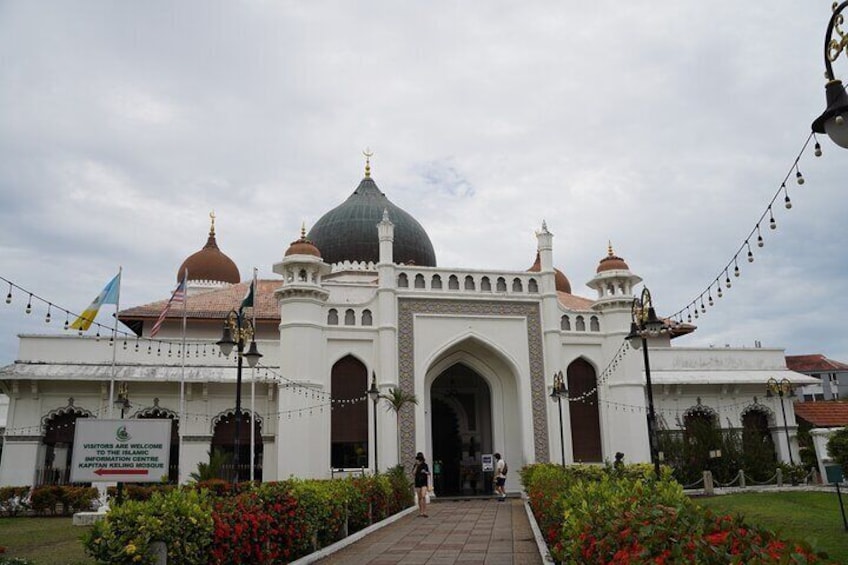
(612, 262)
(210, 264)
(303, 246)
(562, 283)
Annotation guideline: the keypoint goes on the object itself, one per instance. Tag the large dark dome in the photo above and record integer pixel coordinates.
(348, 232)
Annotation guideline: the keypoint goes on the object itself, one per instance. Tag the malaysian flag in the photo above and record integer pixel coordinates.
(177, 297)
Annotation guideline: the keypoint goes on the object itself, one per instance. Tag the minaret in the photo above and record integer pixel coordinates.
(614, 283)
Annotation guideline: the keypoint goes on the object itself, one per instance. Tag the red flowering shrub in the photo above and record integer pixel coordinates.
(624, 518)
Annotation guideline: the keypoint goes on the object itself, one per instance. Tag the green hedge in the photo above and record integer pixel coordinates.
(626, 515)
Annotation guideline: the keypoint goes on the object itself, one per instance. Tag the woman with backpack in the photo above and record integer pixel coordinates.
(500, 477)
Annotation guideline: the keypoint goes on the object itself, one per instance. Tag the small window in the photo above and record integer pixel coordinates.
(301, 275)
(333, 317)
(501, 285)
(403, 282)
(366, 318)
(350, 317)
(436, 282)
(516, 285)
(485, 284)
(453, 283)
(581, 324)
(565, 323)
(594, 324)
(532, 286)
(419, 281)
(469, 283)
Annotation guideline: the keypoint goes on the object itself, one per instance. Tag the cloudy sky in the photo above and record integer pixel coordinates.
(665, 127)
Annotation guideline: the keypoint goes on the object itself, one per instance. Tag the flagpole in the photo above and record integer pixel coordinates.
(253, 390)
(115, 344)
(182, 382)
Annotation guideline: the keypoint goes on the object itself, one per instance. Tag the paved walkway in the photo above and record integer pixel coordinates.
(478, 530)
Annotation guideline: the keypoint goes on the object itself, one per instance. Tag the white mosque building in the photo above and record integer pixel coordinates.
(360, 297)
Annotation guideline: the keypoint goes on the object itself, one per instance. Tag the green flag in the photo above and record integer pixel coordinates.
(247, 301)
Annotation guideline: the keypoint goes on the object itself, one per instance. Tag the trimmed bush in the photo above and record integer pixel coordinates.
(13, 500)
(62, 499)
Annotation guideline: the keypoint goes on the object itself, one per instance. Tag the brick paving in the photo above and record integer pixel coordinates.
(471, 531)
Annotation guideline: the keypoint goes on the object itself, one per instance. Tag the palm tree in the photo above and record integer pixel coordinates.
(218, 460)
(397, 398)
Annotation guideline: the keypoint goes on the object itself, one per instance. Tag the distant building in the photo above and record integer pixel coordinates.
(832, 377)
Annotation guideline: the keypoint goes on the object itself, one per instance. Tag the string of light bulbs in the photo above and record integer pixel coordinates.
(722, 281)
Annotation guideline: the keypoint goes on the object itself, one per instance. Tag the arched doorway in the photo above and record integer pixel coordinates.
(758, 452)
(461, 420)
(349, 419)
(584, 414)
(223, 439)
(58, 440)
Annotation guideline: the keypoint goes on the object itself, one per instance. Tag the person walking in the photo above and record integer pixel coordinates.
(421, 474)
(500, 477)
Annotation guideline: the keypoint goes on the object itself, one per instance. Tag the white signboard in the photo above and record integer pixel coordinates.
(134, 451)
(488, 463)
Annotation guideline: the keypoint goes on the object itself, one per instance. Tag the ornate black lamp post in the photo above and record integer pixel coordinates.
(644, 323)
(122, 401)
(782, 388)
(374, 395)
(237, 331)
(558, 392)
(833, 119)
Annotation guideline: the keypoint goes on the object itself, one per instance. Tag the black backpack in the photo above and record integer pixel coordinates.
(505, 469)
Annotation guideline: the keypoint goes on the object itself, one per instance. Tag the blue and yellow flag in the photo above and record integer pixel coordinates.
(109, 295)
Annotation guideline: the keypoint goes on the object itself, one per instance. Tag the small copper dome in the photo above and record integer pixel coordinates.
(210, 264)
(561, 281)
(303, 246)
(612, 262)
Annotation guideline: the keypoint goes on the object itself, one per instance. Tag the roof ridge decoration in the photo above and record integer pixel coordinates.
(368, 154)
(212, 227)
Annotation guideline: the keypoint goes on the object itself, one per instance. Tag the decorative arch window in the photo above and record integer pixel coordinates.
(594, 324)
(565, 323)
(59, 428)
(758, 450)
(349, 419)
(302, 276)
(532, 286)
(469, 283)
(350, 317)
(485, 284)
(611, 289)
(333, 317)
(223, 438)
(453, 283)
(419, 281)
(436, 282)
(366, 318)
(403, 281)
(580, 324)
(501, 284)
(517, 286)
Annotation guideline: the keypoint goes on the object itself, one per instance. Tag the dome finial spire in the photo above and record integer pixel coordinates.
(609, 249)
(303, 231)
(212, 227)
(368, 154)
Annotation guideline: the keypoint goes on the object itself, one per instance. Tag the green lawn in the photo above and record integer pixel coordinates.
(45, 541)
(813, 517)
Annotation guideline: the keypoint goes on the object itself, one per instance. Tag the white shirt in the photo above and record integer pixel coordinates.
(499, 469)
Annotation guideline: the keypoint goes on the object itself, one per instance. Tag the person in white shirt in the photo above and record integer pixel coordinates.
(500, 477)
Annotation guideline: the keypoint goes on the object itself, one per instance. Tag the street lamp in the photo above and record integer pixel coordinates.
(833, 119)
(374, 395)
(644, 323)
(782, 388)
(558, 392)
(238, 330)
(122, 401)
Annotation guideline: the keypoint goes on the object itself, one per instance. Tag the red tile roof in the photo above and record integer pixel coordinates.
(829, 414)
(214, 304)
(815, 363)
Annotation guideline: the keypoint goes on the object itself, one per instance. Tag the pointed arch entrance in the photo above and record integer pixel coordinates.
(583, 409)
(461, 418)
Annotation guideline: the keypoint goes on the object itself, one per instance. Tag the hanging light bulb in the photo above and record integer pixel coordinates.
(772, 223)
(719, 293)
(66, 322)
(97, 337)
(736, 271)
(703, 308)
(47, 317)
(111, 341)
(688, 316)
(696, 312)
(136, 345)
(760, 241)
(29, 304)
(9, 296)
(818, 151)
(786, 200)
(710, 299)
(125, 345)
(750, 255)
(727, 282)
(799, 178)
